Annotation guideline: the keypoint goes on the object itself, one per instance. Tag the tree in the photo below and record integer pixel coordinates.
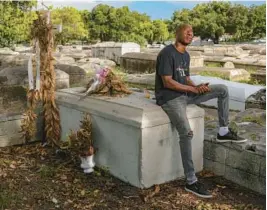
(213, 19)
(85, 14)
(160, 31)
(257, 21)
(99, 22)
(72, 24)
(178, 17)
(237, 21)
(210, 19)
(120, 24)
(170, 29)
(16, 18)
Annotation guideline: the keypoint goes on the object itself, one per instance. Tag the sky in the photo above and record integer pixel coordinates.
(155, 9)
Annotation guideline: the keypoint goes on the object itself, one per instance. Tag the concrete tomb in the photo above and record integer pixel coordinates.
(113, 51)
(135, 138)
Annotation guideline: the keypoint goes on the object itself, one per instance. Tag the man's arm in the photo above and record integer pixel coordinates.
(202, 88)
(190, 82)
(169, 83)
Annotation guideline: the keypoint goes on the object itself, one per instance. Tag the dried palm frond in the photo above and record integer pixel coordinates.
(42, 32)
(81, 142)
(28, 123)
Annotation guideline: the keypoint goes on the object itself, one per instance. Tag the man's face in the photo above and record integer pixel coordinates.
(186, 36)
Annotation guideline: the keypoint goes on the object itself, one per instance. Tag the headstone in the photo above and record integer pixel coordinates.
(231, 74)
(145, 62)
(259, 75)
(99, 61)
(238, 92)
(113, 51)
(13, 60)
(76, 56)
(13, 99)
(77, 75)
(14, 75)
(229, 65)
(19, 76)
(138, 62)
(23, 49)
(92, 65)
(257, 99)
(7, 51)
(64, 60)
(86, 47)
(62, 79)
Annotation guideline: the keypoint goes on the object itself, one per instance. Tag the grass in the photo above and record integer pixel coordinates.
(119, 72)
(253, 119)
(7, 197)
(213, 74)
(47, 171)
(213, 64)
(253, 82)
(207, 118)
(222, 76)
(253, 136)
(140, 86)
(211, 126)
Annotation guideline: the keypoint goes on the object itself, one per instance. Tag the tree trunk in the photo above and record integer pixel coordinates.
(216, 40)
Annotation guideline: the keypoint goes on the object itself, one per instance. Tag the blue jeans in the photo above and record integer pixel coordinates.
(176, 110)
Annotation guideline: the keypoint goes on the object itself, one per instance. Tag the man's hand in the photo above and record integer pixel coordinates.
(203, 88)
(193, 90)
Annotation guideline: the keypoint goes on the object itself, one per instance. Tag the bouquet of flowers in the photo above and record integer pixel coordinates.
(105, 82)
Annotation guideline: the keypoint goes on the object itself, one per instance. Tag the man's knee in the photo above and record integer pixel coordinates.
(186, 135)
(222, 89)
(190, 134)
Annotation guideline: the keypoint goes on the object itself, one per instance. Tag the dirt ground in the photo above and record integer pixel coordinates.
(36, 177)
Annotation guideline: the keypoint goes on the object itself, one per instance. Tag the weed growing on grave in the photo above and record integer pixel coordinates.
(213, 64)
(253, 119)
(213, 74)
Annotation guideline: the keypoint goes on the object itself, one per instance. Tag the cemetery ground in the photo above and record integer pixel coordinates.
(36, 177)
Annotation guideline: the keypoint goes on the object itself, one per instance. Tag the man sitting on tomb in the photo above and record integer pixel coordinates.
(174, 90)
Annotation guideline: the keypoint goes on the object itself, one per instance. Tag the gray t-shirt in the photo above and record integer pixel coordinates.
(170, 62)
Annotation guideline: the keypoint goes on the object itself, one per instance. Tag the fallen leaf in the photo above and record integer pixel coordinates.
(147, 94)
(12, 166)
(76, 181)
(63, 177)
(150, 195)
(220, 186)
(83, 192)
(157, 189)
(205, 173)
(54, 200)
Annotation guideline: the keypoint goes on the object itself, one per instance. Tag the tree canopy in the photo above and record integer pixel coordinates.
(106, 23)
(15, 21)
(73, 24)
(213, 19)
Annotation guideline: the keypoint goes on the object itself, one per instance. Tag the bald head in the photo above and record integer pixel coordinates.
(184, 34)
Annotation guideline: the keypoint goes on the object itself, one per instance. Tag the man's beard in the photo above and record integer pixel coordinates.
(183, 43)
